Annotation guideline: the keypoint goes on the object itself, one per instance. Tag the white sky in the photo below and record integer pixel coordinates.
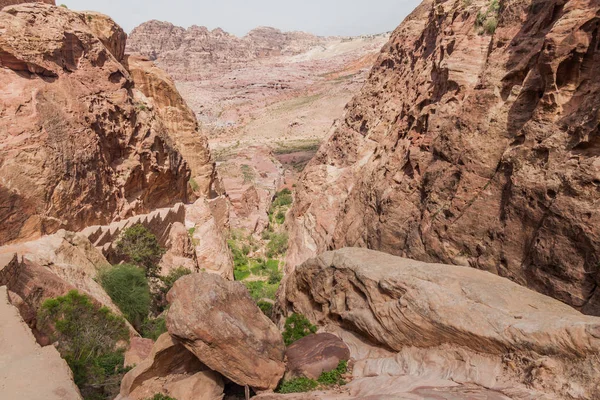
(321, 17)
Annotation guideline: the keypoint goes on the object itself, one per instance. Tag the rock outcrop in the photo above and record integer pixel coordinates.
(6, 3)
(172, 370)
(80, 145)
(471, 145)
(28, 371)
(314, 354)
(447, 322)
(179, 121)
(217, 321)
(51, 267)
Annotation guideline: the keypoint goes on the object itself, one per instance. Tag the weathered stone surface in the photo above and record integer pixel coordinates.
(79, 146)
(205, 385)
(28, 371)
(139, 349)
(208, 239)
(5, 3)
(217, 320)
(315, 354)
(448, 322)
(179, 121)
(181, 251)
(169, 361)
(52, 266)
(471, 149)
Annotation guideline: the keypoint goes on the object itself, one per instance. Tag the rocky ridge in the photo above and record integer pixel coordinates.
(471, 144)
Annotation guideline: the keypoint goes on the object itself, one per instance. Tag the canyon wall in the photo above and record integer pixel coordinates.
(475, 142)
(84, 141)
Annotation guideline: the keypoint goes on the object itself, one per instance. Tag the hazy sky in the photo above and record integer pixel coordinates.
(322, 17)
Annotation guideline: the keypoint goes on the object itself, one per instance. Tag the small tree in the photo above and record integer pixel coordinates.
(139, 246)
(86, 336)
(128, 288)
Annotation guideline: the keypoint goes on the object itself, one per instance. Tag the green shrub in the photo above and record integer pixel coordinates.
(283, 198)
(128, 288)
(261, 290)
(490, 25)
(278, 245)
(194, 185)
(139, 246)
(296, 327)
(240, 274)
(160, 397)
(334, 377)
(266, 307)
(86, 335)
(173, 277)
(280, 217)
(298, 385)
(152, 328)
(274, 277)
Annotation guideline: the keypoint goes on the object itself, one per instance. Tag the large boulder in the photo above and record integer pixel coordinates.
(471, 148)
(28, 371)
(450, 322)
(314, 354)
(80, 145)
(217, 320)
(168, 363)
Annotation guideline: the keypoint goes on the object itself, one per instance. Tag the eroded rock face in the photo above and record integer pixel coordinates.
(315, 354)
(168, 362)
(217, 321)
(179, 120)
(23, 361)
(80, 146)
(5, 3)
(447, 322)
(471, 149)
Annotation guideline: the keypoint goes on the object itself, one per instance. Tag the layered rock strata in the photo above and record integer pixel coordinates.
(411, 320)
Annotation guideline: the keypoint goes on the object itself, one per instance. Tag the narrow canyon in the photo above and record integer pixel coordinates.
(187, 214)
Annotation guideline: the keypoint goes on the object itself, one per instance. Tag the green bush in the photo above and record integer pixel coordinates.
(280, 217)
(283, 198)
(490, 25)
(139, 246)
(266, 307)
(296, 327)
(160, 397)
(152, 328)
(275, 277)
(173, 277)
(298, 385)
(240, 274)
(278, 245)
(334, 377)
(261, 290)
(86, 335)
(128, 288)
(488, 21)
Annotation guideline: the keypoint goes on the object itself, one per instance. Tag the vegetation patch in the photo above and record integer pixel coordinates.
(325, 381)
(278, 245)
(128, 288)
(160, 397)
(487, 21)
(86, 336)
(297, 146)
(298, 385)
(139, 246)
(296, 327)
(152, 328)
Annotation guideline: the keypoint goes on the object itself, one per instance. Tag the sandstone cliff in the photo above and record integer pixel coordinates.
(5, 3)
(81, 142)
(473, 145)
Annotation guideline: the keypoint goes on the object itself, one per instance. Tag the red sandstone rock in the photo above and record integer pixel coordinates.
(314, 354)
(218, 321)
(78, 146)
(472, 149)
(6, 3)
